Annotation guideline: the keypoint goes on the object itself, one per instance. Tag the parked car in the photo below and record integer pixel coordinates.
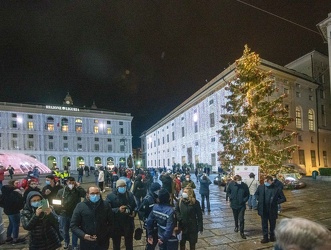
(290, 177)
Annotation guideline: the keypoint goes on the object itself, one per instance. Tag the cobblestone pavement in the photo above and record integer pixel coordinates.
(312, 202)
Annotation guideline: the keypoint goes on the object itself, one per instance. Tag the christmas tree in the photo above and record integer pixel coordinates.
(254, 127)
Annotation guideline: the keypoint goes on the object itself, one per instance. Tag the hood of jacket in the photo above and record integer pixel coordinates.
(29, 197)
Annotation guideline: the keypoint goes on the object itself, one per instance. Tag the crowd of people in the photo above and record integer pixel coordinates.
(167, 206)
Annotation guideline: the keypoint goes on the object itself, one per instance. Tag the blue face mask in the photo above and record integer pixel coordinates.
(121, 190)
(36, 204)
(94, 198)
(267, 184)
(48, 183)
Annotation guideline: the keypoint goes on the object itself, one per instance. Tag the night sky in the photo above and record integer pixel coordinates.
(142, 57)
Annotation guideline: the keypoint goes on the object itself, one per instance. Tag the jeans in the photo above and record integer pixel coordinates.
(272, 223)
(14, 225)
(64, 229)
(252, 202)
(203, 202)
(80, 177)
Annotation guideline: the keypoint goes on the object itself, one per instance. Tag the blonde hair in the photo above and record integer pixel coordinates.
(191, 195)
(302, 234)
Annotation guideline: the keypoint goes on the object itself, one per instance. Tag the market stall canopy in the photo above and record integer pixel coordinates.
(22, 163)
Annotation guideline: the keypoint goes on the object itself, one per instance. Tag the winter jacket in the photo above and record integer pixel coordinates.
(13, 200)
(189, 218)
(93, 219)
(238, 194)
(164, 216)
(70, 198)
(186, 183)
(28, 190)
(204, 186)
(139, 189)
(52, 194)
(146, 206)
(123, 223)
(43, 230)
(270, 207)
(167, 182)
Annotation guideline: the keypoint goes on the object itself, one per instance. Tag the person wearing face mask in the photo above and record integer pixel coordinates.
(268, 197)
(32, 186)
(178, 185)
(139, 189)
(187, 182)
(50, 190)
(70, 196)
(93, 221)
(238, 192)
(189, 216)
(123, 204)
(41, 223)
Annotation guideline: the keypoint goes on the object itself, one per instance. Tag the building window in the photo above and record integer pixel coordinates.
(122, 148)
(30, 136)
(121, 131)
(110, 147)
(299, 137)
(14, 144)
(313, 158)
(196, 127)
(14, 135)
(96, 139)
(212, 120)
(183, 131)
(173, 135)
(64, 125)
(79, 147)
(213, 139)
(50, 145)
(311, 120)
(121, 123)
(14, 124)
(30, 144)
(96, 147)
(213, 159)
(79, 138)
(30, 125)
(96, 129)
(108, 122)
(14, 115)
(108, 131)
(109, 140)
(286, 91)
(168, 138)
(65, 146)
(211, 101)
(312, 139)
(302, 157)
(322, 94)
(30, 116)
(311, 98)
(298, 94)
(298, 117)
(65, 138)
(158, 141)
(196, 143)
(78, 125)
(50, 137)
(96, 121)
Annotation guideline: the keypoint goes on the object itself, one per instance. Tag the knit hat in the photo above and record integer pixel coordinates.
(120, 183)
(155, 187)
(164, 196)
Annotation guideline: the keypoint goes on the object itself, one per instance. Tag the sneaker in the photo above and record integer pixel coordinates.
(66, 245)
(9, 239)
(264, 241)
(17, 241)
(272, 238)
(243, 236)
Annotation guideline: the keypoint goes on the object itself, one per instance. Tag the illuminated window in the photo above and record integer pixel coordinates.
(108, 131)
(50, 127)
(64, 125)
(78, 125)
(298, 117)
(30, 125)
(49, 124)
(96, 129)
(96, 121)
(311, 120)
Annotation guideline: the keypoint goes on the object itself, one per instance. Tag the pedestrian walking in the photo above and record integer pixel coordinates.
(80, 171)
(2, 175)
(101, 179)
(124, 206)
(204, 192)
(238, 193)
(189, 216)
(70, 195)
(11, 171)
(87, 171)
(93, 221)
(252, 185)
(41, 223)
(268, 197)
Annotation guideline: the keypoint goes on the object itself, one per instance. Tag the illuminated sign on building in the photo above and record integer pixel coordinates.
(62, 108)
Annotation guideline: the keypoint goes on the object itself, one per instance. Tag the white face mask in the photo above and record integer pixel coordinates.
(187, 179)
(185, 195)
(70, 186)
(239, 182)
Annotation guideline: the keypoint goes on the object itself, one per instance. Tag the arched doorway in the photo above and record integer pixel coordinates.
(51, 162)
(122, 162)
(110, 162)
(80, 161)
(97, 162)
(66, 163)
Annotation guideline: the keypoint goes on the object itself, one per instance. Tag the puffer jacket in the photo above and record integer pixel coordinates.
(164, 216)
(43, 229)
(239, 194)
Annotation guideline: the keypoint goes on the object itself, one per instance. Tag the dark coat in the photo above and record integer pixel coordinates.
(93, 219)
(43, 230)
(70, 198)
(52, 194)
(139, 188)
(204, 186)
(277, 196)
(189, 217)
(238, 194)
(13, 200)
(166, 182)
(123, 223)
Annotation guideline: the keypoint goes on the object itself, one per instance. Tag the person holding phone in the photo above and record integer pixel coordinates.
(42, 224)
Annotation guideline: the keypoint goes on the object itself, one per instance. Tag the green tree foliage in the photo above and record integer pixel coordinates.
(255, 120)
